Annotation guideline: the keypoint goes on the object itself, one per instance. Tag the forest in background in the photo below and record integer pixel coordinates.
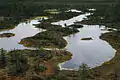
(13, 11)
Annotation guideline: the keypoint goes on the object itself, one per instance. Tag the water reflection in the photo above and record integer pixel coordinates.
(22, 30)
(92, 52)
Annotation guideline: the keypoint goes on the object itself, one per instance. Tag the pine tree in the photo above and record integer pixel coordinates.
(16, 63)
(2, 58)
(83, 72)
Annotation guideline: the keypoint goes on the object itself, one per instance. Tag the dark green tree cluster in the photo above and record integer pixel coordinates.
(2, 58)
(16, 63)
(83, 72)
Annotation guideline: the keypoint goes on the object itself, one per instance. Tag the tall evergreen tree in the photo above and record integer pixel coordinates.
(83, 72)
(16, 63)
(2, 58)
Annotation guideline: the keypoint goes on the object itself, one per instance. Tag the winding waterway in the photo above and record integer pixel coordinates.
(92, 52)
(22, 30)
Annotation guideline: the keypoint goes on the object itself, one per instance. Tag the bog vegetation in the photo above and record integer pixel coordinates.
(42, 64)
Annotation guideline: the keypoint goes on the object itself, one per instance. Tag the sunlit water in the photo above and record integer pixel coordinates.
(91, 52)
(72, 20)
(22, 30)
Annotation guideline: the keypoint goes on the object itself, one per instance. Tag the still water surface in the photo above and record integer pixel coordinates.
(92, 52)
(22, 30)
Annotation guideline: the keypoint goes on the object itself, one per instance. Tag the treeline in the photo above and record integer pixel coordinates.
(63, 0)
(105, 15)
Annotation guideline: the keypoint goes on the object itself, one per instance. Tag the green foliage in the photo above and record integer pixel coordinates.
(52, 38)
(83, 72)
(40, 68)
(16, 63)
(58, 76)
(36, 66)
(45, 39)
(106, 14)
(2, 58)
